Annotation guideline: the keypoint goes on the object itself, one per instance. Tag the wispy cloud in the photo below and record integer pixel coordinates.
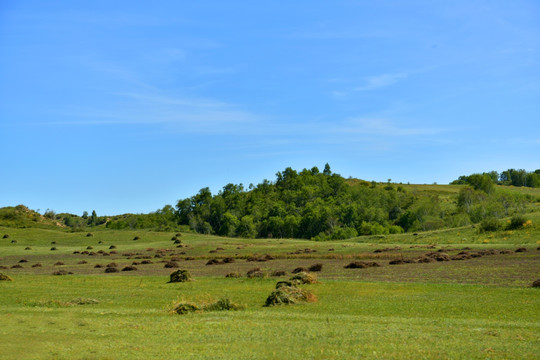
(171, 112)
(384, 127)
(379, 81)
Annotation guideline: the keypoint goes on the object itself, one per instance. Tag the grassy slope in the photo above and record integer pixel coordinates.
(474, 309)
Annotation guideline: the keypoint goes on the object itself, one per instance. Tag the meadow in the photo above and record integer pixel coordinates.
(460, 293)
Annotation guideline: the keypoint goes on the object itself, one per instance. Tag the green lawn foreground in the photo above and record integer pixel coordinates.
(351, 320)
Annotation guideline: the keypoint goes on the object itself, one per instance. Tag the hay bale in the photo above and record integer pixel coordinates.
(521, 249)
(112, 265)
(59, 263)
(255, 273)
(288, 295)
(233, 275)
(228, 260)
(6, 236)
(170, 265)
(36, 265)
(97, 266)
(111, 270)
(304, 278)
(223, 304)
(180, 276)
(177, 241)
(53, 248)
(178, 234)
(278, 273)
(28, 248)
(89, 234)
(363, 264)
(299, 270)
(129, 268)
(536, 283)
(316, 267)
(145, 262)
(4, 277)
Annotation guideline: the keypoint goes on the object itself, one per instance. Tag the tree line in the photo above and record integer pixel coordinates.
(509, 177)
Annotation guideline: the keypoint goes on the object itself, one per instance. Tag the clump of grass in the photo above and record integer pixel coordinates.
(223, 304)
(4, 277)
(288, 295)
(180, 276)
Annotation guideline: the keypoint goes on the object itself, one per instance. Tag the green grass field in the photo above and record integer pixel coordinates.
(478, 308)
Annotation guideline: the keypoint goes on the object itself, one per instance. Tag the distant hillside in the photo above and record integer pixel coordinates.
(22, 217)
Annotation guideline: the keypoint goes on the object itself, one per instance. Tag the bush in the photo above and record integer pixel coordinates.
(516, 222)
(490, 224)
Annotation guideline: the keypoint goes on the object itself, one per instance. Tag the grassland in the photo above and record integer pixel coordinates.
(476, 308)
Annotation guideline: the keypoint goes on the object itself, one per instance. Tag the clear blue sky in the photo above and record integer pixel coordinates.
(125, 106)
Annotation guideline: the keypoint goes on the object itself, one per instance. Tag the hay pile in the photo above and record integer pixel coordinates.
(180, 276)
(4, 277)
(223, 304)
(287, 294)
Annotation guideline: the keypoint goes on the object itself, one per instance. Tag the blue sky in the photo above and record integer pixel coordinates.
(125, 106)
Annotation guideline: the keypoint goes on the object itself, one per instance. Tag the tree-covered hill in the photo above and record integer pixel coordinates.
(324, 205)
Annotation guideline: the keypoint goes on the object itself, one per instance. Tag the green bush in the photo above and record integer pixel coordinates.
(490, 224)
(516, 222)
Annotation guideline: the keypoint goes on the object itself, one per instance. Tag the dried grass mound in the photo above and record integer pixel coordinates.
(536, 283)
(36, 265)
(89, 234)
(62, 272)
(17, 266)
(112, 247)
(6, 236)
(506, 252)
(97, 266)
(23, 260)
(59, 263)
(278, 273)
(461, 257)
(213, 262)
(129, 268)
(315, 267)
(299, 270)
(28, 248)
(288, 295)
(233, 275)
(4, 277)
(111, 270)
(304, 278)
(441, 257)
(521, 249)
(185, 308)
(136, 238)
(3, 267)
(255, 273)
(180, 276)
(146, 262)
(112, 265)
(53, 248)
(228, 260)
(362, 264)
(171, 265)
(223, 304)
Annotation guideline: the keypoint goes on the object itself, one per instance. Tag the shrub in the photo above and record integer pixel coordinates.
(490, 224)
(516, 222)
(180, 276)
